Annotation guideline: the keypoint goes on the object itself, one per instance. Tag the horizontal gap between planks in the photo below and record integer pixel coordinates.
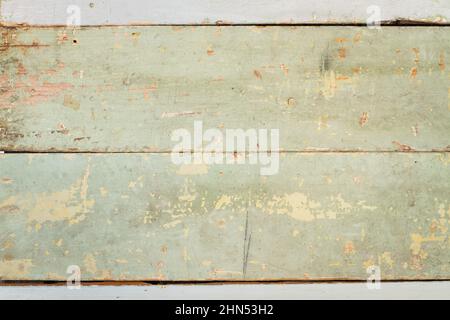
(390, 23)
(57, 283)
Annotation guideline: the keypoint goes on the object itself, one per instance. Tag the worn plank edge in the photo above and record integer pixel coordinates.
(118, 283)
(399, 22)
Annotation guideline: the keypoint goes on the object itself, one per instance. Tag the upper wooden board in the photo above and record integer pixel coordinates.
(128, 88)
(126, 12)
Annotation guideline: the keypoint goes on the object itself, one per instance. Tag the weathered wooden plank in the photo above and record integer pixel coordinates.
(127, 89)
(124, 12)
(138, 216)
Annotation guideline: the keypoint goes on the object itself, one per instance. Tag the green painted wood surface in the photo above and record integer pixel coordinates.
(140, 217)
(126, 89)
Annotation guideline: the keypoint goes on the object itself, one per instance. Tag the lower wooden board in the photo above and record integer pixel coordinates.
(126, 89)
(140, 217)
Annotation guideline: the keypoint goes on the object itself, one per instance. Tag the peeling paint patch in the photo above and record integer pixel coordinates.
(9, 205)
(70, 204)
(90, 263)
(223, 201)
(192, 169)
(42, 93)
(417, 240)
(402, 147)
(15, 269)
(296, 205)
(386, 257)
(340, 203)
(71, 102)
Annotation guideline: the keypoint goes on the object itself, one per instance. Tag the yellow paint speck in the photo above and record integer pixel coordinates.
(193, 169)
(171, 224)
(59, 242)
(386, 257)
(90, 263)
(15, 269)
(223, 201)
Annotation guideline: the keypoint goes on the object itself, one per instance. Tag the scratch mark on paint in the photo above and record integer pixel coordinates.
(71, 204)
(179, 114)
(442, 61)
(71, 102)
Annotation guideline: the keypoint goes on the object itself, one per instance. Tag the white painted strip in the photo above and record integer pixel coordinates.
(402, 290)
(125, 12)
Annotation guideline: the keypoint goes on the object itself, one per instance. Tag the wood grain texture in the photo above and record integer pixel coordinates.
(126, 89)
(134, 215)
(139, 217)
(126, 12)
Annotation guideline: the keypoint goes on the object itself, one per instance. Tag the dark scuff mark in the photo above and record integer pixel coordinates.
(410, 22)
(25, 46)
(81, 138)
(325, 61)
(8, 134)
